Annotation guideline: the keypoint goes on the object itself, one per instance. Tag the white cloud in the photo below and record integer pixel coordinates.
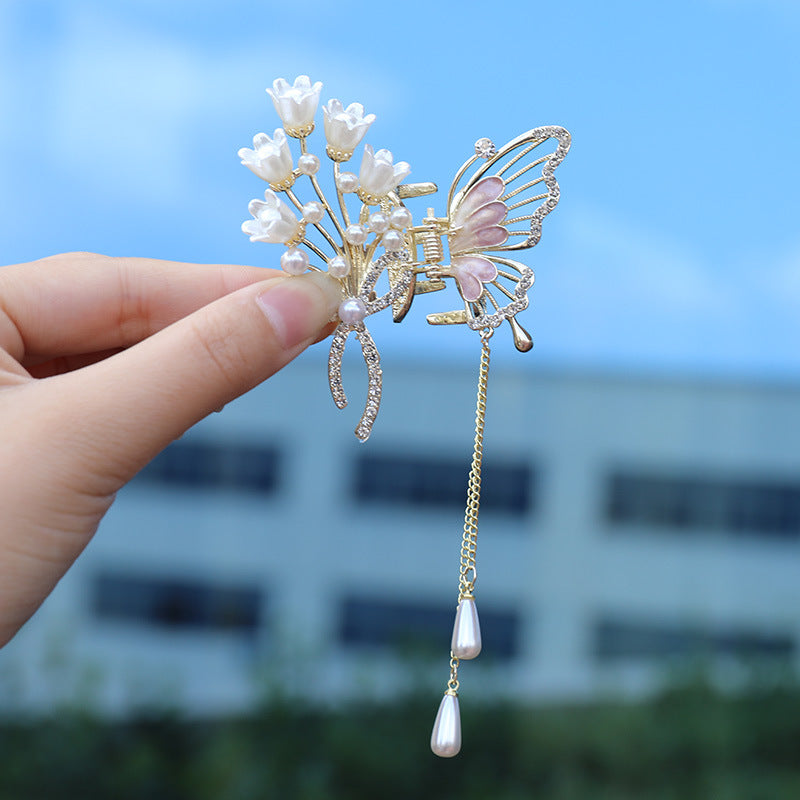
(614, 257)
(782, 281)
(129, 99)
(626, 295)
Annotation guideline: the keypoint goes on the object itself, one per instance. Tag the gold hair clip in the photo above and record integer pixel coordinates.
(495, 205)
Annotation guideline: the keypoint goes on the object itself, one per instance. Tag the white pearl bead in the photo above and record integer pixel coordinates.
(352, 311)
(393, 240)
(294, 261)
(378, 222)
(466, 642)
(313, 211)
(446, 735)
(308, 164)
(347, 182)
(338, 267)
(400, 218)
(356, 234)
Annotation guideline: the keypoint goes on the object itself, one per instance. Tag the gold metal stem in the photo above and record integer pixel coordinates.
(328, 238)
(336, 172)
(311, 246)
(321, 196)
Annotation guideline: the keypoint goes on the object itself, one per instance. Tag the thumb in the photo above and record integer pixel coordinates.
(118, 414)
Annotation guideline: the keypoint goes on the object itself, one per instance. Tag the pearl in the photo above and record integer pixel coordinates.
(313, 211)
(378, 222)
(347, 182)
(466, 642)
(446, 735)
(356, 234)
(294, 261)
(400, 218)
(338, 267)
(352, 311)
(393, 240)
(308, 164)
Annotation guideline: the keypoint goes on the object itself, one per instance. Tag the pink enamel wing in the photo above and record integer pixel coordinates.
(496, 205)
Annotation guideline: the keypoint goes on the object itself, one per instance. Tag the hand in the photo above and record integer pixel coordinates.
(104, 362)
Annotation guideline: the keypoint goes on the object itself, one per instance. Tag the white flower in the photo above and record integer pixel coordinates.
(270, 159)
(378, 174)
(296, 105)
(273, 221)
(345, 127)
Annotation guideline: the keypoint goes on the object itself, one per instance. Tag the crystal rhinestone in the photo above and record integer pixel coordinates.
(485, 148)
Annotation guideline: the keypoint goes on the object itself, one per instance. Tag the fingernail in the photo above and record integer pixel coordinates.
(300, 306)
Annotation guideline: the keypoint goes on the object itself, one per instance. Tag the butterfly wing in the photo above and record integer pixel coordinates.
(496, 205)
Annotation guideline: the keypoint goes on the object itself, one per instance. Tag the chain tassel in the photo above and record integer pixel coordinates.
(466, 641)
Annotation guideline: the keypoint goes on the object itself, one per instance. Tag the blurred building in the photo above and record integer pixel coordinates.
(628, 525)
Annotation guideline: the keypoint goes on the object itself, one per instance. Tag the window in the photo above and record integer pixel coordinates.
(378, 622)
(746, 507)
(614, 639)
(176, 603)
(438, 482)
(204, 465)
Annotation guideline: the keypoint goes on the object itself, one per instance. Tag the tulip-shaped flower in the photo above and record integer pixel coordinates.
(270, 159)
(296, 105)
(344, 128)
(273, 221)
(379, 175)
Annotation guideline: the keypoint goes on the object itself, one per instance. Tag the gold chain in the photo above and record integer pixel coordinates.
(469, 542)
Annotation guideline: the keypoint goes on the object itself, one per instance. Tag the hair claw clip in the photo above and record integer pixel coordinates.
(495, 206)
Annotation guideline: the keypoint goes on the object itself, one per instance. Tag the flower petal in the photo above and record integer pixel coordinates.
(255, 207)
(259, 140)
(252, 228)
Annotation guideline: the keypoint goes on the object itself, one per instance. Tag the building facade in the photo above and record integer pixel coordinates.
(629, 526)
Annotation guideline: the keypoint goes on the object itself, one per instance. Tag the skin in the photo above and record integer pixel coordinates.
(104, 362)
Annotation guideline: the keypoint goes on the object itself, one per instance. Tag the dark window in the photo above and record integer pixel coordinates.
(441, 482)
(204, 465)
(376, 622)
(621, 640)
(753, 507)
(176, 603)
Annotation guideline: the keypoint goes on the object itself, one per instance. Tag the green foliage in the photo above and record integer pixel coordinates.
(687, 744)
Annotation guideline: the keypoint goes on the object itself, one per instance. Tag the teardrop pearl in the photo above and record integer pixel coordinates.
(446, 736)
(466, 641)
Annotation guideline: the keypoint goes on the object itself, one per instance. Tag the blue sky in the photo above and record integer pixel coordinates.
(676, 246)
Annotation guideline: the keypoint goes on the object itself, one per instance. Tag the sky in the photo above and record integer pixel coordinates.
(676, 244)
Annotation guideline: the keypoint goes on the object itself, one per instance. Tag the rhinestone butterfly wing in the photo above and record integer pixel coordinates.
(494, 209)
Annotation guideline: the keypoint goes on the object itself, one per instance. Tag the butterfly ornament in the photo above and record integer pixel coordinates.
(364, 236)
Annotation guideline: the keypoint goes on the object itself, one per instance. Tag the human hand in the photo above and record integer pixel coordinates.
(104, 362)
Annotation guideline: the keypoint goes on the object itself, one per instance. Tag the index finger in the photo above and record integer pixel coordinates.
(83, 302)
